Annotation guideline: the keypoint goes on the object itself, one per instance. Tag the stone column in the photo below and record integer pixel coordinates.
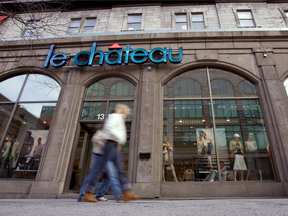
(274, 111)
(57, 153)
(148, 172)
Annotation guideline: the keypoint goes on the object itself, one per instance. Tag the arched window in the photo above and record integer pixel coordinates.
(187, 88)
(30, 100)
(122, 90)
(247, 89)
(189, 124)
(222, 88)
(95, 91)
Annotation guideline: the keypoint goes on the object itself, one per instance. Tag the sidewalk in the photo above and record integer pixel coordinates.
(229, 207)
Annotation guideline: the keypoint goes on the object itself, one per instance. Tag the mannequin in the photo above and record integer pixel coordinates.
(252, 150)
(167, 152)
(205, 144)
(237, 149)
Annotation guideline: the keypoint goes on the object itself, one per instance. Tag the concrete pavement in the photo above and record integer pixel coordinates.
(213, 207)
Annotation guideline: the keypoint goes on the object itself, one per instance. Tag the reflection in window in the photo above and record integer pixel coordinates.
(30, 124)
(89, 25)
(181, 21)
(94, 110)
(245, 18)
(247, 89)
(96, 90)
(239, 124)
(41, 88)
(130, 104)
(7, 93)
(187, 88)
(222, 88)
(198, 21)
(134, 22)
(122, 90)
(74, 26)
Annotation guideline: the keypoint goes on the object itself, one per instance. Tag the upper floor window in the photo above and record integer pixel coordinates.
(198, 21)
(245, 18)
(31, 28)
(89, 25)
(181, 21)
(134, 22)
(74, 26)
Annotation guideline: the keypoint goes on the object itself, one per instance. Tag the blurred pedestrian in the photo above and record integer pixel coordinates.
(98, 141)
(115, 134)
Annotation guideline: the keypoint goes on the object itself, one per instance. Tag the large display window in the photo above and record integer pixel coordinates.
(100, 99)
(223, 142)
(27, 105)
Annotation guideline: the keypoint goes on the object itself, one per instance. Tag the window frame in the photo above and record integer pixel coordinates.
(187, 26)
(85, 25)
(192, 22)
(238, 20)
(141, 22)
(79, 27)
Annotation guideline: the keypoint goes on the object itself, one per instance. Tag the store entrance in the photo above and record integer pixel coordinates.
(83, 155)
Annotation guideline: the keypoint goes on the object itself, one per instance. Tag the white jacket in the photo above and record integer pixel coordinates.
(115, 128)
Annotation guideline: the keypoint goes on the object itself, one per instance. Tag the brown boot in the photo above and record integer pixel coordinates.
(88, 197)
(128, 196)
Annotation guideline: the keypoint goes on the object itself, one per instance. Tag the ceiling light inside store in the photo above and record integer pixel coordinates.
(44, 122)
(180, 120)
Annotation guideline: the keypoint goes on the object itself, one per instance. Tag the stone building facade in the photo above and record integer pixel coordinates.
(230, 54)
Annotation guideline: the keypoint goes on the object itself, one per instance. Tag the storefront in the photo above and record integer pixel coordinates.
(212, 105)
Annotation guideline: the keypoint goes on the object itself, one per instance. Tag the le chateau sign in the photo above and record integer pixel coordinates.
(138, 56)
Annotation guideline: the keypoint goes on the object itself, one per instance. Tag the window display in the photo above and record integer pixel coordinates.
(227, 138)
(25, 123)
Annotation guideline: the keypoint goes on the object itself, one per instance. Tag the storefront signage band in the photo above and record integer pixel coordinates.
(138, 56)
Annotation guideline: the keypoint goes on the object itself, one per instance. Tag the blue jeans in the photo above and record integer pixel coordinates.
(3, 165)
(113, 179)
(214, 176)
(112, 154)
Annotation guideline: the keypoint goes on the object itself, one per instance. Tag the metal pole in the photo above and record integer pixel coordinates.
(214, 126)
(13, 112)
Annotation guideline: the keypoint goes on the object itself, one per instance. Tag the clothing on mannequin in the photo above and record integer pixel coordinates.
(204, 145)
(237, 149)
(252, 156)
(26, 148)
(167, 153)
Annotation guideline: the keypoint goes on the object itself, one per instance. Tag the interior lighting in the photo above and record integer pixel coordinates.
(44, 122)
(180, 120)
(203, 120)
(228, 120)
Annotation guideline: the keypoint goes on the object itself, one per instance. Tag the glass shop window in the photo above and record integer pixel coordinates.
(192, 112)
(23, 138)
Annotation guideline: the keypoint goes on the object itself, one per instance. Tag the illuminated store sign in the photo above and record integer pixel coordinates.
(138, 56)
